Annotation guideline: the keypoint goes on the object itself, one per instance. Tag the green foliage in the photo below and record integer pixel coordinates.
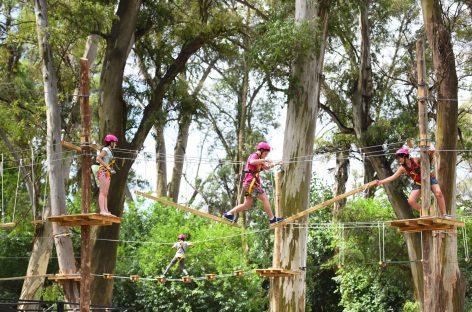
(212, 253)
(363, 284)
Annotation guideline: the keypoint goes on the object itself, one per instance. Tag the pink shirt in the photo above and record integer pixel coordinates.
(252, 170)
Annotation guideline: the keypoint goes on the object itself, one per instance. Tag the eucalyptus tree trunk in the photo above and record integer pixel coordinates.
(289, 294)
(185, 121)
(340, 178)
(42, 242)
(112, 116)
(161, 163)
(113, 119)
(451, 290)
(361, 119)
(65, 252)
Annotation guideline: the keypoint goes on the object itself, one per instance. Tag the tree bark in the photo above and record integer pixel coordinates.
(451, 291)
(340, 178)
(113, 118)
(361, 119)
(161, 163)
(65, 252)
(302, 111)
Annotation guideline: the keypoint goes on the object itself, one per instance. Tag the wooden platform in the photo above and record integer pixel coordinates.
(238, 273)
(210, 277)
(275, 272)
(187, 279)
(107, 276)
(188, 209)
(64, 277)
(161, 279)
(134, 278)
(85, 219)
(38, 222)
(7, 225)
(323, 204)
(425, 224)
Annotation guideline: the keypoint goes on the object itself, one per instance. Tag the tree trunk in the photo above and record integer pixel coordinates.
(185, 121)
(65, 252)
(340, 178)
(288, 294)
(451, 291)
(161, 163)
(361, 120)
(112, 116)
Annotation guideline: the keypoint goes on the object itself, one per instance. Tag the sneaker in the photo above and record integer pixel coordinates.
(275, 220)
(229, 217)
(448, 216)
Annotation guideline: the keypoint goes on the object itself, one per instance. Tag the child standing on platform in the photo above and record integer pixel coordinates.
(252, 184)
(411, 167)
(105, 159)
(181, 247)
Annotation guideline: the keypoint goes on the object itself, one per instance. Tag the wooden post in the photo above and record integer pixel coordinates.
(85, 139)
(423, 125)
(275, 282)
(278, 212)
(431, 274)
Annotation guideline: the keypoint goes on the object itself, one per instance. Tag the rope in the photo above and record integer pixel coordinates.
(16, 193)
(45, 196)
(3, 206)
(33, 200)
(16, 278)
(466, 243)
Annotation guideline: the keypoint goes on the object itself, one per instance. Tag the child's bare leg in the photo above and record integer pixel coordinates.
(103, 195)
(413, 200)
(266, 204)
(439, 198)
(242, 207)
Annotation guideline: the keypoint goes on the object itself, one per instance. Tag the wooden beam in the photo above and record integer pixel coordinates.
(7, 225)
(76, 148)
(64, 277)
(426, 224)
(323, 204)
(84, 219)
(71, 146)
(188, 209)
(275, 272)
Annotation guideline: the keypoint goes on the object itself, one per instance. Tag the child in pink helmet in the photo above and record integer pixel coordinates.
(411, 167)
(181, 247)
(252, 184)
(105, 159)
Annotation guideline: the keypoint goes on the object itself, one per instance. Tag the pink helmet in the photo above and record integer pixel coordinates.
(402, 151)
(181, 236)
(110, 138)
(263, 146)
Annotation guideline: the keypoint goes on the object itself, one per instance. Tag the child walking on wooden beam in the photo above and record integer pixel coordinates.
(181, 247)
(252, 184)
(411, 167)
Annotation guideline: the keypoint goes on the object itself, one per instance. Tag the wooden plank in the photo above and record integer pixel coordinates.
(426, 224)
(188, 209)
(7, 225)
(275, 272)
(76, 148)
(64, 277)
(71, 146)
(84, 219)
(323, 204)
(210, 277)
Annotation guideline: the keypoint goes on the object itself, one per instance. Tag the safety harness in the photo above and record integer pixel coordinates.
(255, 175)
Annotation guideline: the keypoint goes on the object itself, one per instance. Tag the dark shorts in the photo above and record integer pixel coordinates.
(432, 181)
(256, 190)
